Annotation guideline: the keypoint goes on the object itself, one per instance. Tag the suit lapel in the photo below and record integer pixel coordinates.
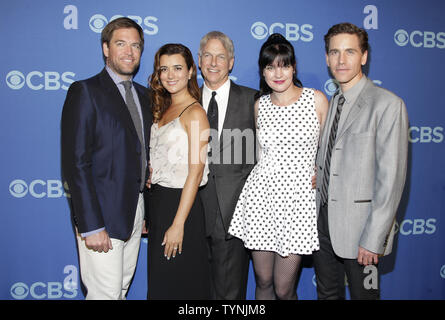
(146, 113)
(358, 106)
(117, 101)
(327, 128)
(231, 112)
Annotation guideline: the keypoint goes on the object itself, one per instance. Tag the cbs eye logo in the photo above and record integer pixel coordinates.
(15, 80)
(97, 23)
(18, 188)
(19, 291)
(401, 37)
(259, 30)
(331, 86)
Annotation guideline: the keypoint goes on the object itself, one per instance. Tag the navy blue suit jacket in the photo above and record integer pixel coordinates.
(101, 155)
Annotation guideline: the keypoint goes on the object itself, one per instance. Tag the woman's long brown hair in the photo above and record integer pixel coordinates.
(160, 97)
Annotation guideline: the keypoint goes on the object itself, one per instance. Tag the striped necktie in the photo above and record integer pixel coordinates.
(327, 164)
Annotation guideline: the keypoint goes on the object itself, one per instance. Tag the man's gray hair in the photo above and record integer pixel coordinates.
(225, 40)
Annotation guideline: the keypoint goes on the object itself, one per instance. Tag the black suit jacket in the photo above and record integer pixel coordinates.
(229, 176)
(101, 155)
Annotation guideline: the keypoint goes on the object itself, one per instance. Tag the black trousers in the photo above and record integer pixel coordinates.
(330, 270)
(229, 263)
(229, 259)
(185, 277)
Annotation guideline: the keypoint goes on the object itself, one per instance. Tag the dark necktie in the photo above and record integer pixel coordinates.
(212, 112)
(129, 99)
(212, 115)
(331, 142)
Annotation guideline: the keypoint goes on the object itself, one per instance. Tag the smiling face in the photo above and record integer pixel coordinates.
(173, 73)
(279, 77)
(123, 52)
(215, 64)
(345, 59)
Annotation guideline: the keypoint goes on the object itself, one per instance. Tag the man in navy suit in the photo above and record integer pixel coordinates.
(105, 128)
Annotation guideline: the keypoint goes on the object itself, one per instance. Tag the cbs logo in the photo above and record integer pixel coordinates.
(417, 39)
(38, 189)
(49, 290)
(292, 31)
(416, 226)
(41, 290)
(425, 134)
(36, 80)
(98, 22)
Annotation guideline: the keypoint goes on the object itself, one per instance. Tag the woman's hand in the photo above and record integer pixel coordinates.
(173, 240)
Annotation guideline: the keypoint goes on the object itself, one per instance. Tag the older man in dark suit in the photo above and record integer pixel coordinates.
(230, 109)
(105, 134)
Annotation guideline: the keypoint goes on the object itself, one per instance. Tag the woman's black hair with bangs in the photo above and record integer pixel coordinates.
(276, 47)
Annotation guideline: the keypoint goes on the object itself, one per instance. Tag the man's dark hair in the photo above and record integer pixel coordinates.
(349, 28)
(120, 23)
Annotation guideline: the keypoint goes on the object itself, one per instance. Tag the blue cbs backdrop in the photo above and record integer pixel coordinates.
(49, 44)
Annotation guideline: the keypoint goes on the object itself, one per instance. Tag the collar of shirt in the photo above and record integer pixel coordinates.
(350, 98)
(118, 81)
(352, 94)
(222, 99)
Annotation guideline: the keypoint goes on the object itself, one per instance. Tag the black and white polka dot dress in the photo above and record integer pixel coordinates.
(276, 210)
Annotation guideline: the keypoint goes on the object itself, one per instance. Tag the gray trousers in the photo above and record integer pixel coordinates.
(330, 270)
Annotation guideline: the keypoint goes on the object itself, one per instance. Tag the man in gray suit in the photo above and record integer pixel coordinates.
(230, 109)
(361, 168)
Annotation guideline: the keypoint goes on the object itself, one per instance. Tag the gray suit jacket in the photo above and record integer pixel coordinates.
(367, 172)
(237, 145)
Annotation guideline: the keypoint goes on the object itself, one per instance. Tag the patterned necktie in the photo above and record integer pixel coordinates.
(327, 164)
(129, 99)
(212, 115)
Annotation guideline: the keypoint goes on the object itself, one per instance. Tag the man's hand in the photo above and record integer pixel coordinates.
(366, 257)
(99, 242)
(144, 228)
(314, 178)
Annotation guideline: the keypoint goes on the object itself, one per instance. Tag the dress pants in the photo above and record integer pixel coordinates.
(330, 270)
(186, 276)
(107, 276)
(229, 261)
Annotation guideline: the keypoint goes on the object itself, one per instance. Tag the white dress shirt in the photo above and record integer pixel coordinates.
(222, 99)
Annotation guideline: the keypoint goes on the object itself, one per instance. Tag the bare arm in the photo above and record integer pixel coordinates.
(321, 108)
(256, 105)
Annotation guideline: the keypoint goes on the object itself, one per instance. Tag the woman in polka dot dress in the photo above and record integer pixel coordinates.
(276, 213)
